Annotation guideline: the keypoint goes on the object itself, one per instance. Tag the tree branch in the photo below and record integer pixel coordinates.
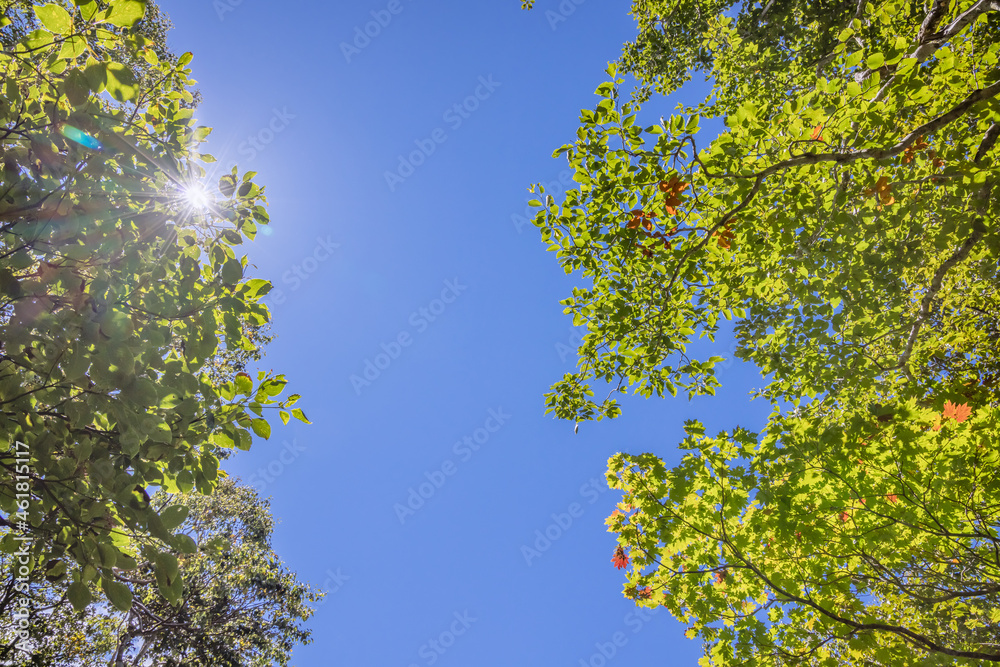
(978, 230)
(989, 139)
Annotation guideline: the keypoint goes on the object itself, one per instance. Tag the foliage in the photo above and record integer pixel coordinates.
(765, 42)
(110, 252)
(770, 208)
(240, 607)
(867, 543)
(845, 221)
(228, 363)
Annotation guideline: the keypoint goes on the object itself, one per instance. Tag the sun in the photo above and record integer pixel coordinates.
(196, 197)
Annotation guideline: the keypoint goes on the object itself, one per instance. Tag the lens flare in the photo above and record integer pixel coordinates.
(197, 197)
(79, 136)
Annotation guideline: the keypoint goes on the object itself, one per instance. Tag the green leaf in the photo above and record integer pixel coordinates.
(118, 594)
(184, 544)
(124, 13)
(232, 271)
(79, 595)
(257, 287)
(243, 440)
(97, 76)
(125, 562)
(109, 555)
(121, 82)
(173, 516)
(117, 326)
(244, 385)
(167, 564)
(76, 88)
(233, 237)
(73, 47)
(227, 185)
(875, 60)
(142, 392)
(905, 66)
(301, 416)
(88, 9)
(55, 18)
(261, 428)
(274, 386)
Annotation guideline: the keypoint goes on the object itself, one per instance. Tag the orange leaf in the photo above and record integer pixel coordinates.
(638, 217)
(817, 134)
(884, 190)
(957, 412)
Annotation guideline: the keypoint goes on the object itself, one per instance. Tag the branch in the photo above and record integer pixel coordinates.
(978, 229)
(907, 634)
(929, 127)
(936, 40)
(989, 139)
(937, 12)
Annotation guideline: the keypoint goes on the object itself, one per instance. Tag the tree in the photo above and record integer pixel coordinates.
(845, 219)
(111, 249)
(240, 606)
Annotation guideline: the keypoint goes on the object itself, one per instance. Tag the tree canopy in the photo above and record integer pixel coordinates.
(845, 221)
(124, 305)
(240, 605)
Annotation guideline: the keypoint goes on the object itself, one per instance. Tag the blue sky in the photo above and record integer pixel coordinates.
(428, 280)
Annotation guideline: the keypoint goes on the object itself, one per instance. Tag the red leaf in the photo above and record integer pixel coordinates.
(620, 559)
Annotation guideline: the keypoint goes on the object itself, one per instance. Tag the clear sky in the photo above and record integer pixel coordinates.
(432, 268)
